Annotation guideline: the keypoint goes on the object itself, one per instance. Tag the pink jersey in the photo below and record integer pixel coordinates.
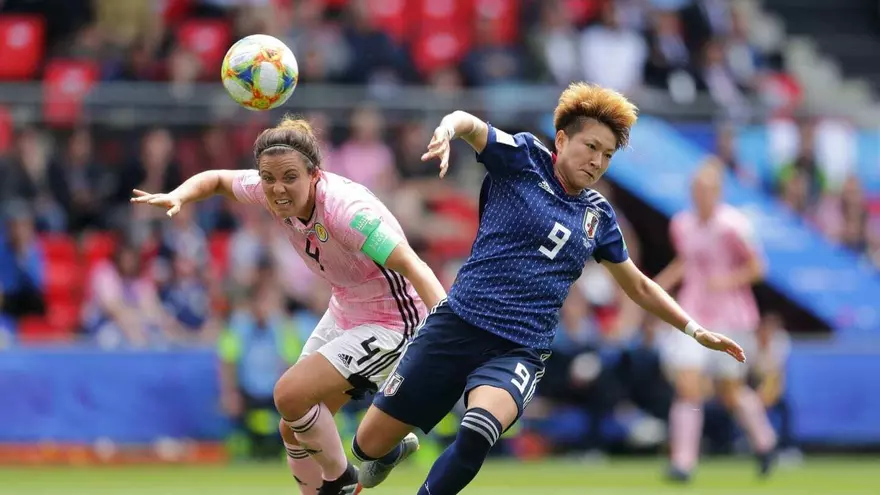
(362, 291)
(713, 249)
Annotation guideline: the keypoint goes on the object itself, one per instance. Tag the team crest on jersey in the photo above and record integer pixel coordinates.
(591, 223)
(321, 232)
(392, 385)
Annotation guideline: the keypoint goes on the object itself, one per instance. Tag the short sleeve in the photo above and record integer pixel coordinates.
(610, 245)
(741, 237)
(351, 223)
(247, 189)
(505, 153)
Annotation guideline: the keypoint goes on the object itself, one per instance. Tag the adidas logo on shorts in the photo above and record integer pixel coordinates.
(345, 358)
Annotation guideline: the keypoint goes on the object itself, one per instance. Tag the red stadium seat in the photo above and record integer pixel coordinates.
(437, 48)
(98, 246)
(503, 15)
(22, 43)
(59, 247)
(208, 39)
(437, 14)
(219, 248)
(66, 83)
(64, 317)
(63, 280)
(583, 11)
(6, 130)
(391, 17)
(35, 329)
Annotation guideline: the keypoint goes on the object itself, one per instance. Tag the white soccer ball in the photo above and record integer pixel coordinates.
(259, 72)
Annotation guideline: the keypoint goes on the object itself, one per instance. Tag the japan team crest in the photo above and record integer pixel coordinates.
(591, 223)
(321, 232)
(392, 385)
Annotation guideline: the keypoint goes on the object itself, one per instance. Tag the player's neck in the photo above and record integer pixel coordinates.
(565, 187)
(308, 212)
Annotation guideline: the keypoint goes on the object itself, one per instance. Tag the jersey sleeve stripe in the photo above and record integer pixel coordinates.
(408, 324)
(408, 302)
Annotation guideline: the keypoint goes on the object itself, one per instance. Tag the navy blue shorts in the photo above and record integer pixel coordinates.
(449, 357)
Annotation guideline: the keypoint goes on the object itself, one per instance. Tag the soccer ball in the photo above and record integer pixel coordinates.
(259, 72)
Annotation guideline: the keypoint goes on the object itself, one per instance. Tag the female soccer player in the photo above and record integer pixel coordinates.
(346, 235)
(539, 225)
(716, 263)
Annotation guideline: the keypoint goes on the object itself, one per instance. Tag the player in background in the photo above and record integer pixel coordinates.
(348, 237)
(716, 263)
(539, 226)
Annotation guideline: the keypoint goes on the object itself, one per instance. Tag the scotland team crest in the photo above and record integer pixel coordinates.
(321, 232)
(392, 385)
(591, 223)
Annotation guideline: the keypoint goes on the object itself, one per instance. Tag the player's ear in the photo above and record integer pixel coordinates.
(561, 140)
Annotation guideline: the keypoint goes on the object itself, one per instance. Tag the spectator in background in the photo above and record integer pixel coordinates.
(186, 298)
(490, 61)
(768, 373)
(744, 60)
(726, 152)
(153, 170)
(843, 216)
(79, 183)
(374, 57)
(326, 55)
(704, 20)
(22, 264)
(805, 165)
(715, 76)
(668, 52)
(258, 345)
(555, 43)
(25, 177)
(364, 157)
(122, 307)
(795, 194)
(612, 55)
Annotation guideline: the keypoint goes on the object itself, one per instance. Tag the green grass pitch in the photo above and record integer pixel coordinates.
(825, 476)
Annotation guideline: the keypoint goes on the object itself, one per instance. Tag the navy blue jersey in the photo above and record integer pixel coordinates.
(533, 243)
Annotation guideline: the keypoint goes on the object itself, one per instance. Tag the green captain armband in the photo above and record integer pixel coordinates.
(381, 239)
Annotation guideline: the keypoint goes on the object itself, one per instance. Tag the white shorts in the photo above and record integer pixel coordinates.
(680, 352)
(364, 355)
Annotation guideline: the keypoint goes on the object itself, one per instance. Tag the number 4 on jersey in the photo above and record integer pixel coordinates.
(314, 254)
(558, 236)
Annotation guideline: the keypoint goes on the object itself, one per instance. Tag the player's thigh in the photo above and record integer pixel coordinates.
(365, 355)
(680, 354)
(325, 331)
(504, 385)
(432, 372)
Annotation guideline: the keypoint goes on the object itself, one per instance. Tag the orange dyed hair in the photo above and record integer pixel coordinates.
(581, 102)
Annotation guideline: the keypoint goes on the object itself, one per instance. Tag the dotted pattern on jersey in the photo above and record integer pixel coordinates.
(510, 286)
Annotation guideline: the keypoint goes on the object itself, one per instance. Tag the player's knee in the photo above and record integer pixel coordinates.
(289, 400)
(728, 393)
(497, 402)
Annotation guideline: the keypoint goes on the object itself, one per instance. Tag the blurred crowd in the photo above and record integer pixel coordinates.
(76, 259)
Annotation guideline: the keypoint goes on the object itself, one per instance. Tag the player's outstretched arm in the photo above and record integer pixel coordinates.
(650, 296)
(457, 124)
(406, 262)
(198, 187)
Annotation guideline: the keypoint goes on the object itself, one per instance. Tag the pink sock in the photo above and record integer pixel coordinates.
(316, 432)
(305, 470)
(685, 432)
(752, 416)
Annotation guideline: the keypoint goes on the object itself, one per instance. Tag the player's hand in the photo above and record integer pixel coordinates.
(170, 202)
(439, 148)
(718, 342)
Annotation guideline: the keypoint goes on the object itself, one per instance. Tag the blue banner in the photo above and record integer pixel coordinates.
(81, 395)
(824, 279)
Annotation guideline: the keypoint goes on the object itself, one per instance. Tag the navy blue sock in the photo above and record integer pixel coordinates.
(462, 460)
(389, 458)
